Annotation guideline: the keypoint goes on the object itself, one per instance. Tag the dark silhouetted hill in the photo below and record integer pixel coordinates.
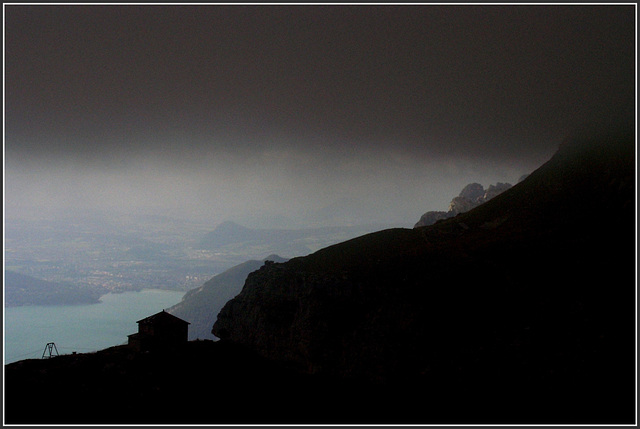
(201, 306)
(527, 299)
(201, 382)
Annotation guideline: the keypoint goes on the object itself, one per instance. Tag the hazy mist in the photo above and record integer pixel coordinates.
(304, 185)
(310, 115)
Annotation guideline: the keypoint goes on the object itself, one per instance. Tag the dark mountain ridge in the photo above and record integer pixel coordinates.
(531, 293)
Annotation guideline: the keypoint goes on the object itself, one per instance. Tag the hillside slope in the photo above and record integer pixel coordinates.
(201, 306)
(529, 295)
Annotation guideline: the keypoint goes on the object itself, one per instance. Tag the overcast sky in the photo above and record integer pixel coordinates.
(378, 112)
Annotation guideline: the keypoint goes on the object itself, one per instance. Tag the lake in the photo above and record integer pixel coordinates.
(80, 328)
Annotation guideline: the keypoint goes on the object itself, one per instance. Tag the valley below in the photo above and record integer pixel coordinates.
(97, 253)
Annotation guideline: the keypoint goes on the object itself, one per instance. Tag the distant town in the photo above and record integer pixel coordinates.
(115, 253)
(118, 253)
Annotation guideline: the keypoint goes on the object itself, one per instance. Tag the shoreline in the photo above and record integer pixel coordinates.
(80, 327)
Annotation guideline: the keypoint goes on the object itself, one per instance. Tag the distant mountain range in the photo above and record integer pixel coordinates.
(20, 289)
(201, 306)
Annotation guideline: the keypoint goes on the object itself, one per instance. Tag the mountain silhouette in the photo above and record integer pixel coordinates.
(527, 295)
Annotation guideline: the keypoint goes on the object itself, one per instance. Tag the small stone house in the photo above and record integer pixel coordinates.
(161, 330)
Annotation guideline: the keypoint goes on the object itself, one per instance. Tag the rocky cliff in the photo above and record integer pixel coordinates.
(200, 306)
(529, 294)
(469, 198)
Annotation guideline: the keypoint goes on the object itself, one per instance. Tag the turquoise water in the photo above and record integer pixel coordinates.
(81, 328)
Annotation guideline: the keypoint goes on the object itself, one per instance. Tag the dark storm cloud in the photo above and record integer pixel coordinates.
(304, 98)
(448, 78)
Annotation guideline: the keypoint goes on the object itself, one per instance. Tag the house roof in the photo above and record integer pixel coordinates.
(162, 317)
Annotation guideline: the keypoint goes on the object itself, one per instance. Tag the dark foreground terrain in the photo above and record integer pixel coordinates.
(219, 383)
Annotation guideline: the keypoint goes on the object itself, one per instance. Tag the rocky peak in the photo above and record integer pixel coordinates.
(461, 205)
(495, 190)
(469, 198)
(472, 192)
